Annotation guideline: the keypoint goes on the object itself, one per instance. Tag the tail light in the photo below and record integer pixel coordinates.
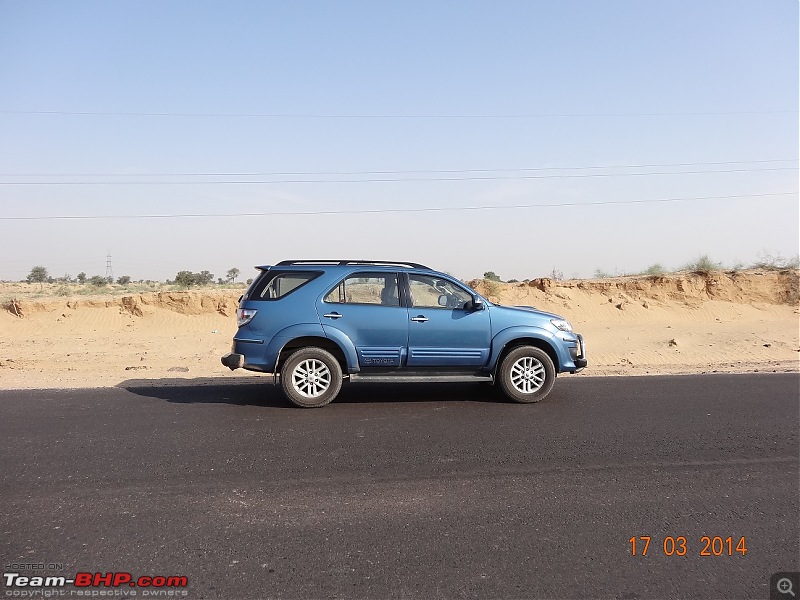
(245, 315)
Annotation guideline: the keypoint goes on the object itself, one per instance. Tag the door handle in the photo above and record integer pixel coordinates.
(419, 319)
(333, 315)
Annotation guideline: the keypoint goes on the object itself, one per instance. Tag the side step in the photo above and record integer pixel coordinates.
(417, 377)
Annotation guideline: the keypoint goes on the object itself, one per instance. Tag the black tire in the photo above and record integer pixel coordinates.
(526, 374)
(311, 377)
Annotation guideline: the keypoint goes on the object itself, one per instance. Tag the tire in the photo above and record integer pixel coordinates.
(311, 377)
(527, 374)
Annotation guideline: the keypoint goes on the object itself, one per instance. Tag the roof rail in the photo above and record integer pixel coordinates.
(398, 263)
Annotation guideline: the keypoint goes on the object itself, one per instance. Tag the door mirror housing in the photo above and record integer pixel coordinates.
(477, 303)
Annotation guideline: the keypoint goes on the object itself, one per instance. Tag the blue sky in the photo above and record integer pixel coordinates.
(582, 115)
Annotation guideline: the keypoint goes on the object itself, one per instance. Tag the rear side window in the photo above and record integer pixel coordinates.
(274, 285)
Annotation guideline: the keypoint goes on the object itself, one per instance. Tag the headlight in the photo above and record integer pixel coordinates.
(245, 315)
(562, 324)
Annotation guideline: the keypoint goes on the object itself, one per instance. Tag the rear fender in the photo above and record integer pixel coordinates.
(347, 346)
(304, 330)
(284, 336)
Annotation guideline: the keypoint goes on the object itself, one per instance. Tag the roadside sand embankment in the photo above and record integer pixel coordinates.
(680, 323)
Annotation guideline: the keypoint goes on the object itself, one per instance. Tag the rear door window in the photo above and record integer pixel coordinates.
(367, 288)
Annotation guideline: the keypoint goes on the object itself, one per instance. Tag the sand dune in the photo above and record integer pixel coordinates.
(684, 323)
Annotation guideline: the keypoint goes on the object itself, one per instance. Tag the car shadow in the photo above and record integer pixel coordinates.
(251, 391)
(208, 390)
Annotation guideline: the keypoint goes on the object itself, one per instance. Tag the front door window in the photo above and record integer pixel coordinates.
(434, 292)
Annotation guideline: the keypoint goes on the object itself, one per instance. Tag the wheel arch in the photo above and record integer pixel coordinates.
(528, 341)
(308, 341)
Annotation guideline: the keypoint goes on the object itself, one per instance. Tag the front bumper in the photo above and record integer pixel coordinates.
(578, 354)
(233, 361)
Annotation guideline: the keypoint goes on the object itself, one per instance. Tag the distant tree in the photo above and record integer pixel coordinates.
(491, 276)
(38, 274)
(124, 280)
(232, 274)
(97, 281)
(188, 279)
(81, 277)
(185, 278)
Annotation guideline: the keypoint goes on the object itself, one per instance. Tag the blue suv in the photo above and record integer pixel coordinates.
(313, 324)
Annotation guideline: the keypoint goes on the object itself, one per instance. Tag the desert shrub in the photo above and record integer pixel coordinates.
(188, 279)
(656, 269)
(97, 281)
(736, 267)
(775, 263)
(703, 265)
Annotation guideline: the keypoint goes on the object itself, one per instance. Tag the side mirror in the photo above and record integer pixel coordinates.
(442, 300)
(477, 303)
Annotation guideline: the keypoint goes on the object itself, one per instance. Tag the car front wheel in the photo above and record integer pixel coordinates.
(311, 377)
(527, 374)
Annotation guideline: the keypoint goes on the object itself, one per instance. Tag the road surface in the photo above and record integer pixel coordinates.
(416, 491)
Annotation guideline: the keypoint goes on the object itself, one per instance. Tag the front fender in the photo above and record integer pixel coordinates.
(506, 336)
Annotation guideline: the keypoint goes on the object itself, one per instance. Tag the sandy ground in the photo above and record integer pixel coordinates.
(685, 323)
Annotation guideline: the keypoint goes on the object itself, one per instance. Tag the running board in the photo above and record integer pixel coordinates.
(423, 377)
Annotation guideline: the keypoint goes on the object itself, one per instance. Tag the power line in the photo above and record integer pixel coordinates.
(402, 172)
(391, 210)
(399, 179)
(390, 116)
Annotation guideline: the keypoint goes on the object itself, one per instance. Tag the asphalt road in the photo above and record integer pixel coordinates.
(419, 491)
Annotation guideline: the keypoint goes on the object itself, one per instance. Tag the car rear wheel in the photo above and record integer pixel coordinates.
(527, 374)
(311, 377)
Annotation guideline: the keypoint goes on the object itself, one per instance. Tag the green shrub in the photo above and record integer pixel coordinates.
(97, 281)
(656, 269)
(703, 265)
(188, 279)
